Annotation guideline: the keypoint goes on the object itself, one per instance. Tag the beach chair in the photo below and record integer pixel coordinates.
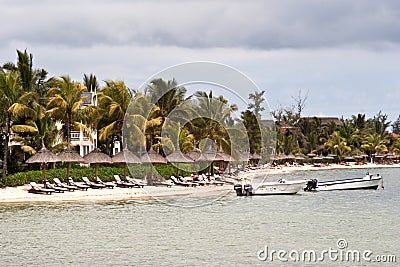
(58, 183)
(136, 182)
(78, 185)
(121, 183)
(99, 181)
(92, 184)
(179, 182)
(185, 180)
(215, 182)
(35, 189)
(56, 188)
(163, 182)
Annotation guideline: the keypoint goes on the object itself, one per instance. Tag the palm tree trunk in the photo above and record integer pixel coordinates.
(6, 140)
(68, 122)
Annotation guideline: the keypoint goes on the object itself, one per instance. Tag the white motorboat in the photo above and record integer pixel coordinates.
(281, 187)
(369, 181)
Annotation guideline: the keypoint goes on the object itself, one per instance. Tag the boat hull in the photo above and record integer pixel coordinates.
(279, 188)
(367, 182)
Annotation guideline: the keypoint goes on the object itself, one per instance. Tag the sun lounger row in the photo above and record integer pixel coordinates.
(60, 187)
(193, 181)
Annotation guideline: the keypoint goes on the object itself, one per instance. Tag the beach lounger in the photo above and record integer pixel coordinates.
(78, 185)
(120, 183)
(99, 181)
(56, 188)
(185, 180)
(136, 182)
(179, 182)
(39, 190)
(198, 180)
(163, 182)
(216, 182)
(58, 183)
(92, 184)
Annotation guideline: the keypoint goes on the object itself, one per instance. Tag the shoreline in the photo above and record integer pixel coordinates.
(283, 169)
(19, 195)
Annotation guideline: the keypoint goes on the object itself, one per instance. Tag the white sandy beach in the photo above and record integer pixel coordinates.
(282, 169)
(20, 195)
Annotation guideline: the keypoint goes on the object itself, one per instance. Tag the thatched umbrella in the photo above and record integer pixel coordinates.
(225, 158)
(212, 156)
(178, 157)
(152, 157)
(348, 158)
(299, 157)
(126, 157)
(196, 155)
(97, 157)
(255, 156)
(43, 156)
(69, 155)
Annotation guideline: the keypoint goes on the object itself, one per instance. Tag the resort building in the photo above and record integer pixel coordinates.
(83, 143)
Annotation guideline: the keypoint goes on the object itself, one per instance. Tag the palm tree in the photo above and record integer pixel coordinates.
(65, 104)
(212, 116)
(350, 134)
(337, 144)
(142, 123)
(14, 104)
(32, 80)
(167, 95)
(113, 101)
(375, 143)
(212, 120)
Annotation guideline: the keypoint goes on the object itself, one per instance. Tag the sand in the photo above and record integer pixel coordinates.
(20, 195)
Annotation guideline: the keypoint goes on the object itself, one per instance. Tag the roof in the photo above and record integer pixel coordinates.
(324, 120)
(268, 123)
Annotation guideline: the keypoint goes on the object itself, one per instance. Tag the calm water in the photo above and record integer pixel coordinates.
(229, 232)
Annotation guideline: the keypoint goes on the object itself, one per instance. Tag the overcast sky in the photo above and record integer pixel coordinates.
(344, 53)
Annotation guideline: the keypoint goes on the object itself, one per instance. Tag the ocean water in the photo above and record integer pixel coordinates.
(231, 231)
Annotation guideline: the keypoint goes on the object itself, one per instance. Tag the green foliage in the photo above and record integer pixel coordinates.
(396, 125)
(105, 173)
(253, 130)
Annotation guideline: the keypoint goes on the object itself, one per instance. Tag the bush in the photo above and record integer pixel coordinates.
(105, 173)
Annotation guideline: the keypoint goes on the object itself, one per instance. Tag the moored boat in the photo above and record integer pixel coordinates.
(369, 181)
(281, 187)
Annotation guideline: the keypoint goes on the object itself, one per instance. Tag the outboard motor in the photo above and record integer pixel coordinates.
(311, 185)
(239, 189)
(248, 190)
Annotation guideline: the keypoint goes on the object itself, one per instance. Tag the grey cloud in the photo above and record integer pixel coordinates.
(203, 24)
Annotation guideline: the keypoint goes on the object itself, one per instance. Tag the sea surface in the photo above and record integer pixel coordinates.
(229, 231)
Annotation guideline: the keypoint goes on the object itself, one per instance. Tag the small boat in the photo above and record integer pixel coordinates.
(281, 187)
(369, 181)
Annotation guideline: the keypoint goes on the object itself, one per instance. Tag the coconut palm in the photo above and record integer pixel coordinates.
(337, 144)
(167, 95)
(212, 115)
(175, 137)
(113, 101)
(350, 134)
(375, 143)
(65, 104)
(32, 80)
(395, 146)
(14, 104)
(142, 123)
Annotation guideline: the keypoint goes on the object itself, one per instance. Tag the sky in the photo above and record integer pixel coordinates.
(344, 55)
